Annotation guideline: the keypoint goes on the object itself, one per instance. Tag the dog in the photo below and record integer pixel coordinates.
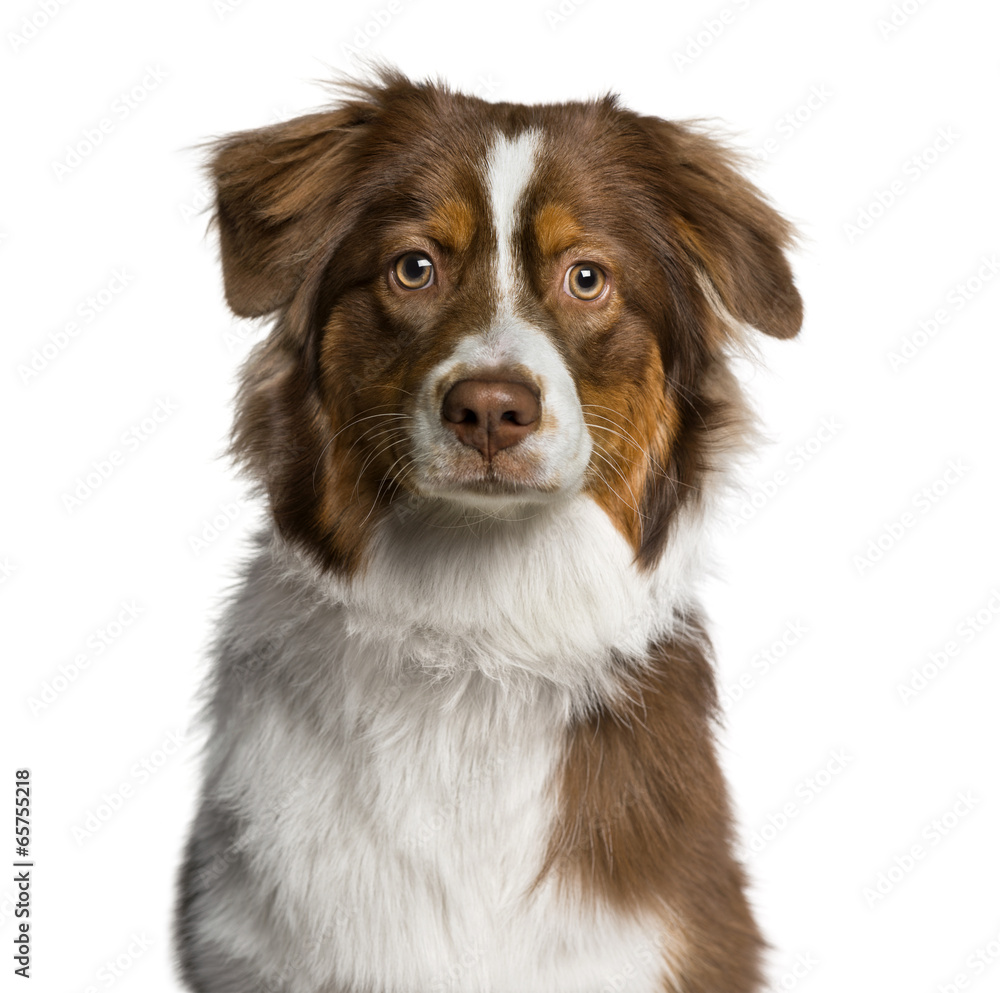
(462, 710)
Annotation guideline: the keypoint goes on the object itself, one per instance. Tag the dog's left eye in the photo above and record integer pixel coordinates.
(585, 281)
(414, 271)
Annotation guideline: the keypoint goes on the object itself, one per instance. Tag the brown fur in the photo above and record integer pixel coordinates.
(645, 821)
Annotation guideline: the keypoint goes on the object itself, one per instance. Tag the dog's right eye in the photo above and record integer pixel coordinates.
(414, 271)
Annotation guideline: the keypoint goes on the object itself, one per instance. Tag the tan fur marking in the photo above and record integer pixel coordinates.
(632, 426)
(556, 229)
(453, 224)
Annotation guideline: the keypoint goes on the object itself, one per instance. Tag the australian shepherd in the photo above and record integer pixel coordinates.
(462, 709)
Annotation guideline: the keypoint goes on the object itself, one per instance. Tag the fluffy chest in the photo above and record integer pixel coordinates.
(396, 748)
(405, 838)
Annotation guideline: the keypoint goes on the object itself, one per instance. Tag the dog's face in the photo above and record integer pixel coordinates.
(488, 305)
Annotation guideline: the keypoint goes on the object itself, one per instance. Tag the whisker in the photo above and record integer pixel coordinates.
(387, 447)
(400, 478)
(691, 398)
(369, 416)
(634, 506)
(374, 428)
(604, 479)
(386, 477)
(628, 436)
(605, 456)
(353, 421)
(599, 427)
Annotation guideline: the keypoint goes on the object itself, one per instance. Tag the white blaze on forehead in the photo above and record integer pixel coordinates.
(510, 165)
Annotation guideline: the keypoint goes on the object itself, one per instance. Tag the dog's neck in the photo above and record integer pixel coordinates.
(554, 594)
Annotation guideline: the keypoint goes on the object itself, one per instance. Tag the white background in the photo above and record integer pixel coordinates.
(836, 777)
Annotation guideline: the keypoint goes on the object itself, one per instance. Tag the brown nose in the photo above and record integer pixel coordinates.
(490, 415)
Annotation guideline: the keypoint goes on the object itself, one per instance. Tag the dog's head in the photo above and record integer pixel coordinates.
(482, 306)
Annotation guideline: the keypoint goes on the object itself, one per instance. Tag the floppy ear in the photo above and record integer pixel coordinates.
(730, 229)
(276, 192)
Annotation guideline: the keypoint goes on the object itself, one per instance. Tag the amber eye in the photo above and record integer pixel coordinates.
(414, 271)
(586, 281)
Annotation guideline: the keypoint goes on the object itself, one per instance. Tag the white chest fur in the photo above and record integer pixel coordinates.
(391, 747)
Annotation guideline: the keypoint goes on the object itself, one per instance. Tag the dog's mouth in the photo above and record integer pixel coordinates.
(515, 474)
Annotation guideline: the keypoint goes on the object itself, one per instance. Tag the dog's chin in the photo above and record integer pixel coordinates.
(492, 501)
(512, 482)
(493, 489)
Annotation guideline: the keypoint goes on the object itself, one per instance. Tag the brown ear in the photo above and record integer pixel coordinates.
(276, 193)
(730, 229)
